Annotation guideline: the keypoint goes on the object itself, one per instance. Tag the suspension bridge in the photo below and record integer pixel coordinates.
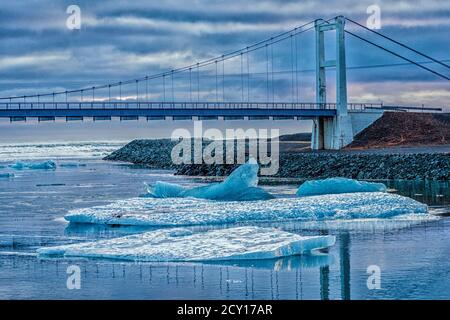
(241, 84)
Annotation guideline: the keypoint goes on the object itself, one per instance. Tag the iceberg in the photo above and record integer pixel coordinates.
(164, 190)
(240, 243)
(6, 175)
(367, 225)
(338, 185)
(240, 185)
(190, 211)
(72, 165)
(308, 260)
(46, 165)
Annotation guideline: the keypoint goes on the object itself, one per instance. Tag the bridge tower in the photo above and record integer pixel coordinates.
(331, 133)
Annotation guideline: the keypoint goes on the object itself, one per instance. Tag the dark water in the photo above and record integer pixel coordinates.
(414, 261)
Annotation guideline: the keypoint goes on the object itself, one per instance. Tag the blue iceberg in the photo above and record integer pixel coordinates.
(240, 185)
(338, 185)
(191, 211)
(240, 243)
(6, 175)
(72, 165)
(314, 259)
(46, 165)
(164, 190)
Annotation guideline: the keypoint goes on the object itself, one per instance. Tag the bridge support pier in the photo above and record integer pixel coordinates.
(331, 133)
(337, 132)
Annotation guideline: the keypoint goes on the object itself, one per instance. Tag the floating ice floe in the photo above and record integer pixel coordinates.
(369, 224)
(310, 260)
(338, 185)
(6, 175)
(240, 185)
(72, 165)
(240, 243)
(189, 211)
(46, 165)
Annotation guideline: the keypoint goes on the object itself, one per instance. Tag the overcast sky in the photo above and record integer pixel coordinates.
(121, 40)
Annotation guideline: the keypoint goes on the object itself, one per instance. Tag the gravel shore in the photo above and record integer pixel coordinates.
(303, 165)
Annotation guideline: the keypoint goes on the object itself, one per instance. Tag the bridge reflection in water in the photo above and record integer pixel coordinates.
(297, 277)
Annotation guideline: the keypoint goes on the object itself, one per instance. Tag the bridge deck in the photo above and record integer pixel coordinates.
(165, 112)
(160, 109)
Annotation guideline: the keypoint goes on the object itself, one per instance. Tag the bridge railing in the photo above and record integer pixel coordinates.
(177, 105)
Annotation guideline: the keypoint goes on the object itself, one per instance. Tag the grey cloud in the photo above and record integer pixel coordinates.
(104, 50)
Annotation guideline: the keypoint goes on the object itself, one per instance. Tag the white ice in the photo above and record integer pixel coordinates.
(368, 224)
(240, 243)
(240, 185)
(338, 185)
(46, 165)
(189, 211)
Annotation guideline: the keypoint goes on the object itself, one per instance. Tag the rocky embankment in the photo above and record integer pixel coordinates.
(150, 153)
(301, 165)
(310, 165)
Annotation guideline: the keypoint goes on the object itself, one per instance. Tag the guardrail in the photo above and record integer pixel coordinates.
(177, 105)
(406, 108)
(202, 105)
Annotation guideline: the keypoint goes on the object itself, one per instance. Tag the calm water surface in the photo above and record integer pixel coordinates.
(414, 261)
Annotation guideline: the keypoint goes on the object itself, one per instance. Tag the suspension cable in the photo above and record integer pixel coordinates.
(190, 84)
(173, 90)
(248, 76)
(398, 55)
(272, 79)
(164, 88)
(242, 77)
(296, 70)
(230, 55)
(146, 89)
(267, 73)
(223, 80)
(399, 43)
(217, 85)
(137, 90)
(198, 82)
(292, 69)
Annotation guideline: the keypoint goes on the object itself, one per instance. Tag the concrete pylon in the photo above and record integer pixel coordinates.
(337, 132)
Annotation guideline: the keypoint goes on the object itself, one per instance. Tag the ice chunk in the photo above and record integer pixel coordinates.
(72, 165)
(241, 243)
(369, 224)
(309, 260)
(46, 165)
(338, 185)
(189, 211)
(241, 185)
(164, 190)
(6, 175)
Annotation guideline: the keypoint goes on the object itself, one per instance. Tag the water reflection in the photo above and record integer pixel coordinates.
(431, 192)
(344, 254)
(252, 279)
(313, 260)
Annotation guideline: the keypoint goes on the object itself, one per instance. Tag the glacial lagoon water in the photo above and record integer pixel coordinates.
(413, 258)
